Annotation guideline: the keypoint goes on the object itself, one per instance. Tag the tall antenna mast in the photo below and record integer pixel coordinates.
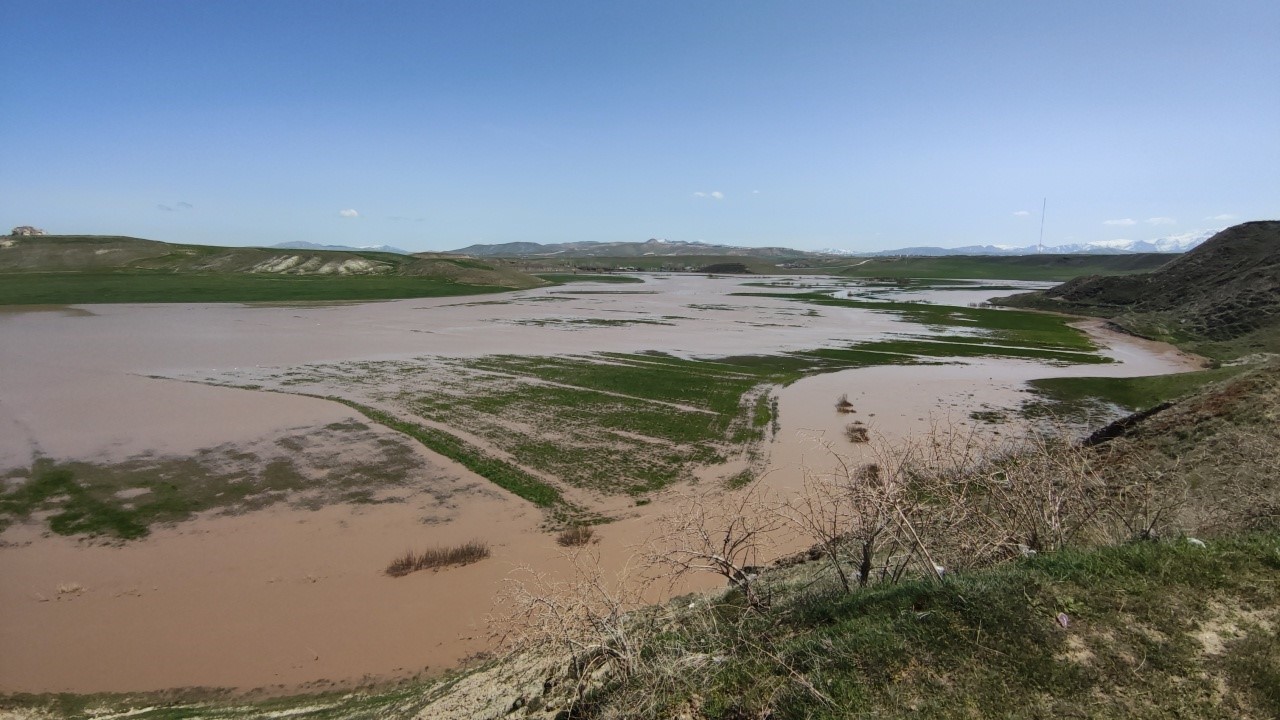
(1040, 246)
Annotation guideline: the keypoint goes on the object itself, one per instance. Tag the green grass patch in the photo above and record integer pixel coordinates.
(499, 472)
(1070, 396)
(605, 292)
(76, 511)
(579, 323)
(633, 423)
(126, 499)
(1054, 268)
(563, 278)
(139, 286)
(740, 479)
(1013, 327)
(616, 423)
(990, 643)
(402, 699)
(959, 347)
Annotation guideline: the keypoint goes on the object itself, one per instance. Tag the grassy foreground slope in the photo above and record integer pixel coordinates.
(75, 269)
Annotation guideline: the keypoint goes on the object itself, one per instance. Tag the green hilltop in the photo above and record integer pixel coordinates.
(76, 269)
(1221, 299)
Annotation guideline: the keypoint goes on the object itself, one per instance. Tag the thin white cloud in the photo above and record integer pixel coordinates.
(1021, 213)
(699, 194)
(1122, 221)
(1161, 221)
(714, 195)
(348, 213)
(1223, 216)
(717, 194)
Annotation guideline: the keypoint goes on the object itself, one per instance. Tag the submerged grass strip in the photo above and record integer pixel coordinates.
(1026, 329)
(1069, 396)
(501, 473)
(122, 500)
(574, 277)
(76, 288)
(950, 346)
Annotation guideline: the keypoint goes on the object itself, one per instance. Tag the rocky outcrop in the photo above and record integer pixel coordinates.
(26, 230)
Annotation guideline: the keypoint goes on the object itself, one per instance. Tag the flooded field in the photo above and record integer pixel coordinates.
(281, 585)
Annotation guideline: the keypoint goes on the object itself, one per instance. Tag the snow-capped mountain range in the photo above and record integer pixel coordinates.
(303, 245)
(1168, 244)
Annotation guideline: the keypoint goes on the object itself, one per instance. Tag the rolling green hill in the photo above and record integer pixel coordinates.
(1221, 299)
(76, 269)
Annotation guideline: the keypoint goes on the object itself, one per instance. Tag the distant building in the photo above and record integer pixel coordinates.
(26, 230)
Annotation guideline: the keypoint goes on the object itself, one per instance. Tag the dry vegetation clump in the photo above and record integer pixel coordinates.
(728, 534)
(440, 557)
(576, 536)
(960, 499)
(856, 432)
(843, 405)
(599, 620)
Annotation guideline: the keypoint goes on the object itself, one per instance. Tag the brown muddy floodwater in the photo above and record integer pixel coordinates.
(286, 598)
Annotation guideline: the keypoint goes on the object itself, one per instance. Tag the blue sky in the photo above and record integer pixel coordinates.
(435, 125)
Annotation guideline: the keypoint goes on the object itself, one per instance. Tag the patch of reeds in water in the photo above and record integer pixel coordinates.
(575, 536)
(436, 558)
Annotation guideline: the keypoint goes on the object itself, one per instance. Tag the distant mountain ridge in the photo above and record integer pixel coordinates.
(654, 247)
(304, 245)
(1168, 244)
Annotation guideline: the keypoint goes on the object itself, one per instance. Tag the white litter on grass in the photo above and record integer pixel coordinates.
(127, 713)
(1194, 542)
(298, 711)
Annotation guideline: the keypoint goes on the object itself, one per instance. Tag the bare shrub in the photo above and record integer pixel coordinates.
(575, 536)
(436, 558)
(1041, 494)
(723, 533)
(1222, 484)
(593, 616)
(865, 517)
(960, 498)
